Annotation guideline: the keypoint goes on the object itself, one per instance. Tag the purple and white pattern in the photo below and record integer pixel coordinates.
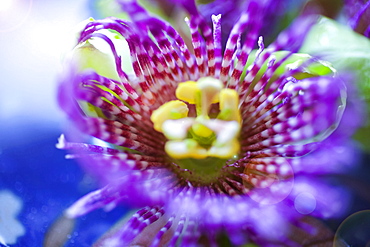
(254, 196)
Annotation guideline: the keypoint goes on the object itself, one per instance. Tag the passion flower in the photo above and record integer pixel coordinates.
(199, 135)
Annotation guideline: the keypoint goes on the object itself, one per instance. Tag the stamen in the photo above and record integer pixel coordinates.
(175, 109)
(203, 136)
(229, 105)
(177, 130)
(188, 148)
(186, 91)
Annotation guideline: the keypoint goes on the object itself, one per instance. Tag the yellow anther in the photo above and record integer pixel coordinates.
(187, 148)
(229, 105)
(187, 91)
(225, 151)
(201, 130)
(202, 136)
(175, 109)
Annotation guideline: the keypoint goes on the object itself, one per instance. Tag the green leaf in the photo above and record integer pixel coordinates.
(317, 68)
(105, 8)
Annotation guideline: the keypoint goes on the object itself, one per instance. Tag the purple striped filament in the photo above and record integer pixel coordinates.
(121, 73)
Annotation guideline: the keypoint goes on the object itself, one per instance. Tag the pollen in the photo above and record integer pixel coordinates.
(202, 136)
(175, 109)
(229, 101)
(186, 91)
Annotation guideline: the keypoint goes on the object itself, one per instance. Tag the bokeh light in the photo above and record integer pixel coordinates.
(354, 230)
(305, 203)
(5, 5)
(14, 13)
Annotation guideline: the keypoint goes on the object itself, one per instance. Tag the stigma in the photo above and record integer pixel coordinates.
(201, 136)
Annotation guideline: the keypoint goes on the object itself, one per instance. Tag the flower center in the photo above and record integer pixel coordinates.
(200, 137)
